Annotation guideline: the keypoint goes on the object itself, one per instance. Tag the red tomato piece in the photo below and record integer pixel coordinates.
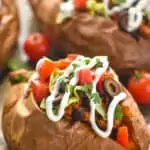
(85, 77)
(140, 87)
(72, 56)
(45, 68)
(36, 46)
(40, 90)
(123, 136)
(80, 4)
(63, 64)
(105, 76)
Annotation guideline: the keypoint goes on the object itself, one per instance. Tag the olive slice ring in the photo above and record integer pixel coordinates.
(111, 87)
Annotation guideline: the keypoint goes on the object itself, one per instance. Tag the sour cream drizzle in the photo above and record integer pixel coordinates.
(116, 100)
(135, 13)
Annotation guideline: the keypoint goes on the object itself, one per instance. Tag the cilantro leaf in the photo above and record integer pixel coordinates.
(96, 98)
(99, 64)
(87, 87)
(18, 79)
(118, 113)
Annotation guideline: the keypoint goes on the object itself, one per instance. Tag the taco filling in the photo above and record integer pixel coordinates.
(83, 89)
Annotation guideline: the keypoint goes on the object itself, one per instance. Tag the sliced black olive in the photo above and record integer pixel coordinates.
(78, 114)
(111, 87)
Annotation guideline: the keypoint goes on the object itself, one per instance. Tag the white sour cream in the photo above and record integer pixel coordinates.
(116, 100)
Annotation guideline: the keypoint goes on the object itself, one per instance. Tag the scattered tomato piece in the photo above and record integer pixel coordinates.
(123, 137)
(36, 46)
(45, 69)
(105, 76)
(40, 90)
(63, 64)
(72, 56)
(139, 87)
(80, 4)
(85, 77)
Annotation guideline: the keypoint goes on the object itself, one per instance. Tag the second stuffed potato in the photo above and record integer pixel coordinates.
(92, 35)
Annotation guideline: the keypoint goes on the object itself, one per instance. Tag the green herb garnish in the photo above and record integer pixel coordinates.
(75, 65)
(87, 61)
(99, 64)
(96, 98)
(18, 79)
(118, 113)
(87, 88)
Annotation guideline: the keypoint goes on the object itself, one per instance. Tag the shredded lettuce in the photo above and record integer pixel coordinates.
(54, 76)
(101, 110)
(43, 104)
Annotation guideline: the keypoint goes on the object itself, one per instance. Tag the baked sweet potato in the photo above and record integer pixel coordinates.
(92, 35)
(26, 126)
(9, 29)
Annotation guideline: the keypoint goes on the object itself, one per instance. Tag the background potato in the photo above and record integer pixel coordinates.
(93, 35)
(26, 127)
(9, 29)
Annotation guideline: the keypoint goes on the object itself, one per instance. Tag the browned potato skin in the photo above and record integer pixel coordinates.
(93, 35)
(9, 29)
(26, 127)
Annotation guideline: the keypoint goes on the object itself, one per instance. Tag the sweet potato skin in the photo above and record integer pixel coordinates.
(93, 35)
(25, 126)
(9, 29)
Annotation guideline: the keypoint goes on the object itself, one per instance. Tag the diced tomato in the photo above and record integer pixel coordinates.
(63, 64)
(85, 77)
(40, 90)
(72, 56)
(105, 76)
(80, 4)
(45, 69)
(123, 136)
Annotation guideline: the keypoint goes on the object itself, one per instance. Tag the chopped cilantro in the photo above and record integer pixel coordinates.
(98, 63)
(118, 113)
(18, 79)
(96, 98)
(87, 87)
(75, 65)
(87, 61)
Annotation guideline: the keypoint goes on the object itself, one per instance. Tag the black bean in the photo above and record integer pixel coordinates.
(78, 114)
